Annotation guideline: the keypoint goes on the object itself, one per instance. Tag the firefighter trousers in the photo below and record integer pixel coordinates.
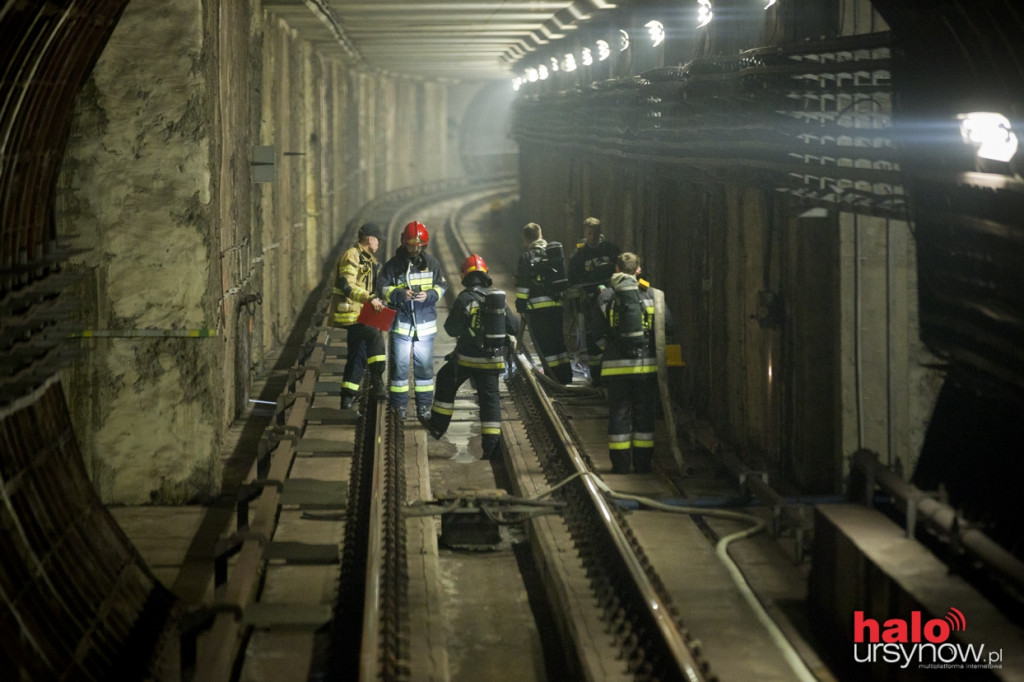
(365, 351)
(632, 402)
(546, 329)
(449, 378)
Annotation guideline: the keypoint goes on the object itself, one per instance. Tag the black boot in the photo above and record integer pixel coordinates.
(620, 461)
(434, 431)
(348, 401)
(377, 389)
(642, 463)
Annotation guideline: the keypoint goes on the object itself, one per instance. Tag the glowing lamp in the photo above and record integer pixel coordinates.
(990, 133)
(704, 13)
(657, 32)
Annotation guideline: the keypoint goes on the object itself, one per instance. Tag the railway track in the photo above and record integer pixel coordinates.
(645, 633)
(342, 511)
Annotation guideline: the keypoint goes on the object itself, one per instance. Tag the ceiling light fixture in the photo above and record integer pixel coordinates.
(704, 13)
(991, 133)
(656, 30)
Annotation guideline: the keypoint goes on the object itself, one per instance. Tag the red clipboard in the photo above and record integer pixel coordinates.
(381, 320)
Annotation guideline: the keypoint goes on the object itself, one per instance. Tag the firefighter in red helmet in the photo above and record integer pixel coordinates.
(481, 322)
(412, 282)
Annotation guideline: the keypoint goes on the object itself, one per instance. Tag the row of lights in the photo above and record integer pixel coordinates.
(603, 49)
(655, 31)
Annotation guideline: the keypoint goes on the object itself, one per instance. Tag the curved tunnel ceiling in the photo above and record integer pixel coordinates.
(458, 40)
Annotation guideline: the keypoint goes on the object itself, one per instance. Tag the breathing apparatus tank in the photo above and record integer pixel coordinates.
(492, 322)
(555, 256)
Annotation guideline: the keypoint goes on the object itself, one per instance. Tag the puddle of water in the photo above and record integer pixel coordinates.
(463, 457)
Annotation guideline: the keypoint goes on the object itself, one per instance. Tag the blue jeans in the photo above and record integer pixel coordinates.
(422, 352)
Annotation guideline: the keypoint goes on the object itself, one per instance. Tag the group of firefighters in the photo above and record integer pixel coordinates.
(611, 314)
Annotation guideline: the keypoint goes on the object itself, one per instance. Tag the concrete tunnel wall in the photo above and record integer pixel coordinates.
(158, 189)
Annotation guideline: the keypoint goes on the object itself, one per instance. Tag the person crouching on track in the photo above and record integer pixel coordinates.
(629, 368)
(540, 281)
(481, 322)
(354, 284)
(412, 282)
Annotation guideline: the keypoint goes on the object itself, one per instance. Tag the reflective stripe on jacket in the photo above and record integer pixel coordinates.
(613, 363)
(530, 293)
(592, 266)
(415, 319)
(460, 323)
(353, 285)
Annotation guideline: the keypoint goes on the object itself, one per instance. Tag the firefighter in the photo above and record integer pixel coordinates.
(481, 322)
(540, 281)
(355, 284)
(630, 366)
(590, 269)
(412, 282)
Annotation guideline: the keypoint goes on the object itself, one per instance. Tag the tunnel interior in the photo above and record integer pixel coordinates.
(707, 139)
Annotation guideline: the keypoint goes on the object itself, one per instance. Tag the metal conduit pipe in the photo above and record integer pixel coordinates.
(755, 483)
(921, 507)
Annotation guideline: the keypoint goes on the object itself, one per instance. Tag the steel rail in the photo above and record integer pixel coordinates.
(657, 611)
(651, 608)
(370, 657)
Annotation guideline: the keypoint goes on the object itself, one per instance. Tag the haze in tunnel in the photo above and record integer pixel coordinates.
(485, 142)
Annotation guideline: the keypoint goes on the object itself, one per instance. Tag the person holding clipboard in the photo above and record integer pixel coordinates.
(355, 285)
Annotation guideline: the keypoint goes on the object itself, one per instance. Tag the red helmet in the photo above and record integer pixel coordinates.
(473, 264)
(415, 233)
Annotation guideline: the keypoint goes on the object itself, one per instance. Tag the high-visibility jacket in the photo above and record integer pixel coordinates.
(354, 284)
(533, 289)
(614, 362)
(415, 319)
